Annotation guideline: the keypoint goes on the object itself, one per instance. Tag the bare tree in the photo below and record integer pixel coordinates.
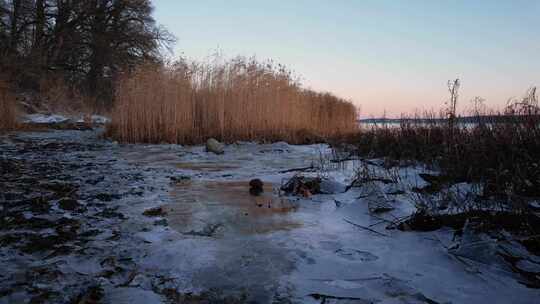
(453, 88)
(89, 42)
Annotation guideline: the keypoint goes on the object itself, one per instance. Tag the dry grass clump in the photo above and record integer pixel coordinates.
(8, 110)
(240, 99)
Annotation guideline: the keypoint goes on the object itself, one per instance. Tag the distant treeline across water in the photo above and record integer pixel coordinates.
(461, 120)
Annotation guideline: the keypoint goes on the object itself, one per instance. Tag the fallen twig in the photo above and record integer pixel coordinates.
(369, 162)
(342, 159)
(323, 298)
(366, 228)
(297, 169)
(378, 223)
(381, 220)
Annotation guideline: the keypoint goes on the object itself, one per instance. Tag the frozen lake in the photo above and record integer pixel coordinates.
(213, 240)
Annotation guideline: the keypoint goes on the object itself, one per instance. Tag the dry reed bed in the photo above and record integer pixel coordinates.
(8, 111)
(241, 99)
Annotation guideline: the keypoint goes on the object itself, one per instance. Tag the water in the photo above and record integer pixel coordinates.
(228, 208)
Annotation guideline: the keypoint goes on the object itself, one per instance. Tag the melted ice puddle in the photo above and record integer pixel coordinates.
(211, 208)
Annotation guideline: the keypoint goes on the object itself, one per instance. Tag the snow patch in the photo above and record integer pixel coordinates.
(44, 118)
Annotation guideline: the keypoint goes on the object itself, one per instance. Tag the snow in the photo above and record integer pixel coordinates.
(95, 119)
(41, 118)
(98, 119)
(44, 118)
(324, 254)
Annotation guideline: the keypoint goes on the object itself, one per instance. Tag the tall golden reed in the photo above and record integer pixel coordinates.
(8, 112)
(240, 99)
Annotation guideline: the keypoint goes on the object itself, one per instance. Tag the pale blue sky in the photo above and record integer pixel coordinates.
(384, 55)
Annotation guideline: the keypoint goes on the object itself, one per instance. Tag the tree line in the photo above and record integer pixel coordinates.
(88, 42)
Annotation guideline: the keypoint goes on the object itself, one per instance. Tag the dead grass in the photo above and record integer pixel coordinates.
(240, 99)
(8, 110)
(497, 155)
(501, 151)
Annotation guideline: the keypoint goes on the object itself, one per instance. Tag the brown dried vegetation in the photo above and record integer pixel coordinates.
(239, 99)
(8, 111)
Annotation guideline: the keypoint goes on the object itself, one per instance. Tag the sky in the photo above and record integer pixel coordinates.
(388, 57)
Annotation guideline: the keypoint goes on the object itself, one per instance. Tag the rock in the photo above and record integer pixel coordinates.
(256, 187)
(157, 211)
(214, 146)
(67, 203)
(256, 183)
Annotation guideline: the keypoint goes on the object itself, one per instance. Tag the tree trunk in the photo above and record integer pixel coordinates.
(37, 55)
(14, 29)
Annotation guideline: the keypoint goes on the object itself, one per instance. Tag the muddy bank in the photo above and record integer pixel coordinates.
(63, 215)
